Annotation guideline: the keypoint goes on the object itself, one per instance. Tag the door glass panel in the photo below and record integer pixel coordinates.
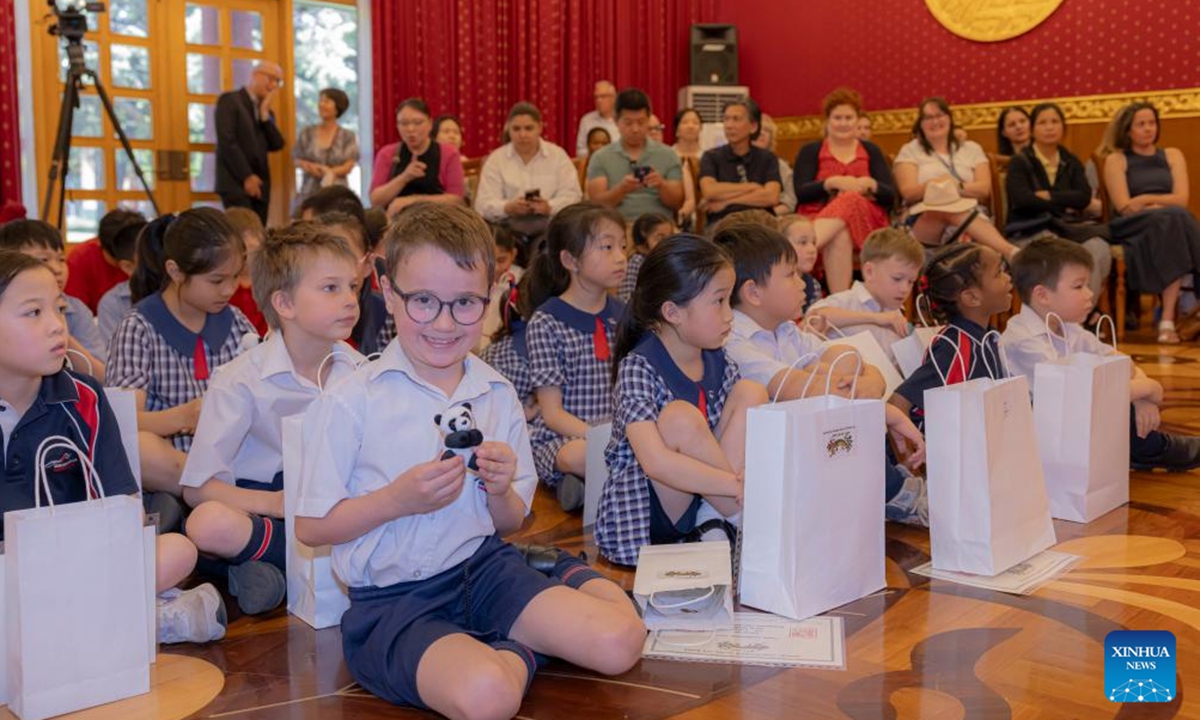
(86, 171)
(142, 206)
(201, 25)
(86, 120)
(204, 171)
(202, 127)
(246, 29)
(91, 58)
(242, 70)
(136, 116)
(83, 219)
(203, 74)
(130, 66)
(128, 17)
(127, 178)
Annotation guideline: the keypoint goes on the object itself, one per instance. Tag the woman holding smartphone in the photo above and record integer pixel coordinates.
(526, 181)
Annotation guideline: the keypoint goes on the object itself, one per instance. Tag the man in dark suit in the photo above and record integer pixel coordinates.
(246, 133)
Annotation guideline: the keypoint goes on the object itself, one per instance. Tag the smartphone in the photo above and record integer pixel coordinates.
(640, 172)
(532, 194)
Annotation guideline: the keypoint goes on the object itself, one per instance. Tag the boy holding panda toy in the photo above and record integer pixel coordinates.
(444, 614)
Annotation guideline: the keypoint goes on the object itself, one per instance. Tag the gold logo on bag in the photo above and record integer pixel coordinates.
(839, 442)
(682, 574)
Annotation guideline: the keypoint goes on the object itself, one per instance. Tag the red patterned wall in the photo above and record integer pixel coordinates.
(10, 148)
(792, 52)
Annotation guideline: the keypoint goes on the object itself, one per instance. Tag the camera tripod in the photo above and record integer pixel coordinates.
(60, 160)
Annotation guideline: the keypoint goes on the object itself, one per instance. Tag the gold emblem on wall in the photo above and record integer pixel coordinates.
(991, 20)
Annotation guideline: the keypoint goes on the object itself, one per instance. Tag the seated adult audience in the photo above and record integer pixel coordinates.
(325, 152)
(843, 184)
(961, 171)
(740, 175)
(597, 138)
(526, 181)
(1012, 131)
(635, 175)
(863, 126)
(603, 116)
(449, 131)
(787, 192)
(1148, 188)
(1048, 194)
(687, 146)
(92, 267)
(417, 167)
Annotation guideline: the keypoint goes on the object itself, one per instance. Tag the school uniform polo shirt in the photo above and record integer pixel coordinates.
(858, 297)
(1026, 342)
(761, 354)
(378, 423)
(724, 165)
(240, 433)
(73, 406)
(613, 163)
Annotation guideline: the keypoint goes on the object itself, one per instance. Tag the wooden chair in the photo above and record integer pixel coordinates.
(1112, 298)
(998, 201)
(471, 170)
(693, 166)
(581, 164)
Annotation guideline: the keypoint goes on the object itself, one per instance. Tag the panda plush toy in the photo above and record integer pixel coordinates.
(458, 424)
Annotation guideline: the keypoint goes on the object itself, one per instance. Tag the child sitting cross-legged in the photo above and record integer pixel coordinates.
(770, 349)
(1051, 276)
(306, 280)
(891, 260)
(443, 613)
(678, 448)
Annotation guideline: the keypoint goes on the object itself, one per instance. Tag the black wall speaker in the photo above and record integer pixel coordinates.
(714, 55)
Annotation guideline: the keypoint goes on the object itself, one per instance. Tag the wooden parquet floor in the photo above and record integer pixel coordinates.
(921, 649)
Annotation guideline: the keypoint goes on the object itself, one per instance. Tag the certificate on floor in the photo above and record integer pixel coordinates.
(757, 639)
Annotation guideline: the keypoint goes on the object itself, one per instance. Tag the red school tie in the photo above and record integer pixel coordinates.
(200, 361)
(702, 403)
(600, 341)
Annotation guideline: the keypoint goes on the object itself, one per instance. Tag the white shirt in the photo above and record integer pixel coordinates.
(932, 165)
(240, 433)
(761, 354)
(1026, 342)
(859, 298)
(506, 177)
(377, 424)
(8, 422)
(589, 121)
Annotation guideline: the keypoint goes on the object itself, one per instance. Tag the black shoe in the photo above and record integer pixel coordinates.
(1182, 453)
(543, 558)
(258, 586)
(570, 492)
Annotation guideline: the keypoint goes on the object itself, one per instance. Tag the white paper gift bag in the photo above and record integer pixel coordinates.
(988, 508)
(314, 594)
(812, 534)
(909, 351)
(688, 586)
(868, 348)
(596, 469)
(1081, 417)
(75, 598)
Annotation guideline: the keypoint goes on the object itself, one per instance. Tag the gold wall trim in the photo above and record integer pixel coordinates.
(1086, 109)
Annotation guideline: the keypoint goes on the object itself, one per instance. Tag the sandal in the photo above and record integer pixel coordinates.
(1167, 335)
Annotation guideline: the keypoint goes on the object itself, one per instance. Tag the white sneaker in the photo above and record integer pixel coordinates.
(196, 615)
(911, 505)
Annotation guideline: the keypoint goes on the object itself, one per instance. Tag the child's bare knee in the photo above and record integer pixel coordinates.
(209, 522)
(747, 393)
(488, 692)
(679, 421)
(618, 645)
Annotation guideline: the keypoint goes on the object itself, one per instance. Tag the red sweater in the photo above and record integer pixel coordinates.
(90, 275)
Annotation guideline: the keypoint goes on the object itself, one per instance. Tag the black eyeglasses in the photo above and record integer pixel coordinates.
(425, 307)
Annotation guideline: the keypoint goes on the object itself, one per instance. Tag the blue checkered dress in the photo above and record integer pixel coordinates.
(562, 354)
(510, 357)
(632, 269)
(154, 352)
(647, 380)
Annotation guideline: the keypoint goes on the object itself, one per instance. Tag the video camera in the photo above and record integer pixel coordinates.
(72, 22)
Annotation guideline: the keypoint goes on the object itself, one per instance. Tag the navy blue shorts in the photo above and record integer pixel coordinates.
(665, 532)
(387, 630)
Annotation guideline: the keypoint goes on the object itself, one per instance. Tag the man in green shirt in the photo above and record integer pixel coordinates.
(636, 175)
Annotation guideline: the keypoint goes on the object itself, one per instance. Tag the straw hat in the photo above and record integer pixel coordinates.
(942, 195)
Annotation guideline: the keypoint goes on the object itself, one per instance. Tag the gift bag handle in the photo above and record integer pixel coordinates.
(957, 356)
(807, 326)
(1055, 336)
(792, 367)
(673, 606)
(71, 363)
(857, 372)
(41, 481)
(332, 356)
(917, 307)
(1000, 358)
(1111, 324)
